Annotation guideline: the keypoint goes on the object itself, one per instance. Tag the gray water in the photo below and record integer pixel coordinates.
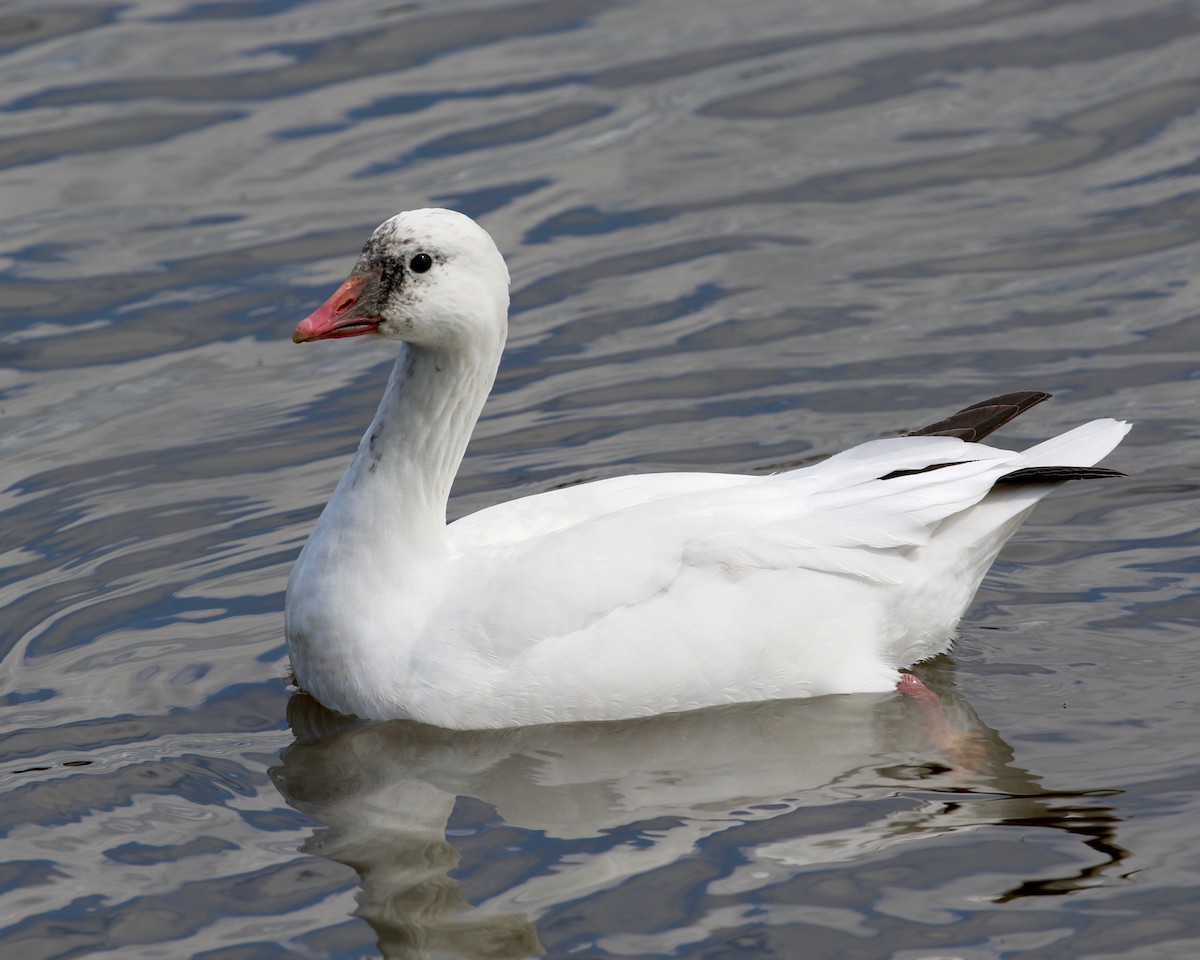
(742, 236)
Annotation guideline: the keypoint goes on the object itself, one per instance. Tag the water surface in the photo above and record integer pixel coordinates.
(741, 237)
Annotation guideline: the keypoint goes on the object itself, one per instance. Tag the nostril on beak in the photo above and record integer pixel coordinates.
(346, 304)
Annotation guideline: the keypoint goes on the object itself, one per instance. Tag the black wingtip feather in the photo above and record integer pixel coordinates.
(975, 422)
(1057, 475)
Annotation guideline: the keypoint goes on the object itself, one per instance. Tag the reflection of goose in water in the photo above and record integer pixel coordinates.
(809, 783)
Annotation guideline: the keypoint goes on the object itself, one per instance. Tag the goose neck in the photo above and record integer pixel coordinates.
(413, 448)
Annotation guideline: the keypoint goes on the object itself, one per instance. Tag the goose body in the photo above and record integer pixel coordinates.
(636, 595)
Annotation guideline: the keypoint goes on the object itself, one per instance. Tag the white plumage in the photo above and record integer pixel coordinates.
(625, 597)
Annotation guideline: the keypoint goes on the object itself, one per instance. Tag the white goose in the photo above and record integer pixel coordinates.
(636, 595)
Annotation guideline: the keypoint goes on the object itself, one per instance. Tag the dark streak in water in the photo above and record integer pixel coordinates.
(408, 40)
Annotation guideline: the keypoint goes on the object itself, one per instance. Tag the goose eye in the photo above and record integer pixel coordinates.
(420, 263)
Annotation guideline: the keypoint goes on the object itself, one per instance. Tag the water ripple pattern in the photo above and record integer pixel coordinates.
(742, 237)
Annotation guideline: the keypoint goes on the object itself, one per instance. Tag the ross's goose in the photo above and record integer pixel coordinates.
(636, 595)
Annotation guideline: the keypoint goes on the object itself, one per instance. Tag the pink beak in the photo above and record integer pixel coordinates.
(338, 317)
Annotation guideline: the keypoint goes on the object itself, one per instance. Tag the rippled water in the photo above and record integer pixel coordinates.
(741, 236)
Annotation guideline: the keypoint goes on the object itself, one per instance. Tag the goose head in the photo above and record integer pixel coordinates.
(432, 278)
